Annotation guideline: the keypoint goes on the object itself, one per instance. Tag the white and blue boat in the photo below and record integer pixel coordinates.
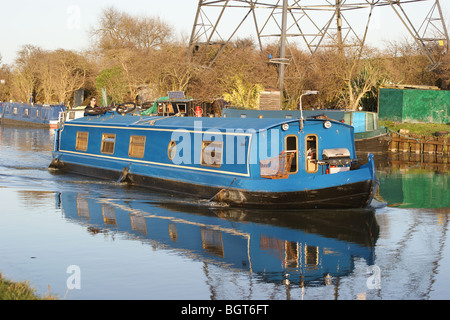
(35, 115)
(269, 162)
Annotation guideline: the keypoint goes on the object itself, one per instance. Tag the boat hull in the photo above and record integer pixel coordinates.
(351, 195)
(376, 141)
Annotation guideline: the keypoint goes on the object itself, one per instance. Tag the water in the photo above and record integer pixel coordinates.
(82, 238)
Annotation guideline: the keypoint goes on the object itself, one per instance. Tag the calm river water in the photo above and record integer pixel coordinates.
(81, 238)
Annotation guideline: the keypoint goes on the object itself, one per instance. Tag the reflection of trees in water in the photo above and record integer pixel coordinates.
(26, 139)
(35, 198)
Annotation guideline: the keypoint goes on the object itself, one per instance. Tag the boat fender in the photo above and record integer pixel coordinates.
(229, 196)
(56, 164)
(222, 194)
(124, 176)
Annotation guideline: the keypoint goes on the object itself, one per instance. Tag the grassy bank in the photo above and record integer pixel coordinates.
(10, 290)
(426, 129)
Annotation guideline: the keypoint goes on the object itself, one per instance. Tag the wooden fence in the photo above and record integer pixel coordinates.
(420, 144)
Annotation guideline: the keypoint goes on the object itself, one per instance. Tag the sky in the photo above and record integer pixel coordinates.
(54, 24)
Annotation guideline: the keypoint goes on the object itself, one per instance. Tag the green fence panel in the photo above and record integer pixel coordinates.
(412, 105)
(390, 105)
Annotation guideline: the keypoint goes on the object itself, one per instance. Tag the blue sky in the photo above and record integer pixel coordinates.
(53, 24)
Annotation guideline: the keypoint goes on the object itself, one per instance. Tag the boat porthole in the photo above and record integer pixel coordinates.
(172, 149)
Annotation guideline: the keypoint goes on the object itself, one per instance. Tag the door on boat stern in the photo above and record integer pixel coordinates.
(311, 152)
(291, 146)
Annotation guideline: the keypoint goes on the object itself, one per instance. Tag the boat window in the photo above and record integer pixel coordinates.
(311, 153)
(37, 113)
(211, 154)
(108, 142)
(292, 147)
(172, 149)
(25, 112)
(82, 141)
(15, 111)
(370, 121)
(181, 107)
(137, 147)
(348, 118)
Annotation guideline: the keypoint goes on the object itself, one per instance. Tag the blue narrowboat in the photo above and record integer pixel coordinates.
(36, 115)
(289, 163)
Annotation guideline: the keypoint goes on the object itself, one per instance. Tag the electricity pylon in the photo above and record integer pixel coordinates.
(314, 24)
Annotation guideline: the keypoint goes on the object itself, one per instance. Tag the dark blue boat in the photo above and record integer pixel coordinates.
(289, 163)
(36, 115)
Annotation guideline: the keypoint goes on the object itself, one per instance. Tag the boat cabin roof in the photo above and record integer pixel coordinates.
(337, 115)
(258, 124)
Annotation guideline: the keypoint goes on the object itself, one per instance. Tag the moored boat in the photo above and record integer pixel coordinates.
(292, 163)
(36, 115)
(369, 136)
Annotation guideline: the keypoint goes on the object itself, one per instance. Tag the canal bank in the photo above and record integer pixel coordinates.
(11, 290)
(419, 138)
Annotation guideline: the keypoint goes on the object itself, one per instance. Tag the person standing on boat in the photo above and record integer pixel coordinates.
(92, 107)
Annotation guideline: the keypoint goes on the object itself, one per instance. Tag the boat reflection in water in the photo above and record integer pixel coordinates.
(275, 246)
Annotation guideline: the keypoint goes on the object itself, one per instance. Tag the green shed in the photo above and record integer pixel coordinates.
(414, 105)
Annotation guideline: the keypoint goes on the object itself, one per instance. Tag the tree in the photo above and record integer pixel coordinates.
(5, 83)
(24, 81)
(174, 72)
(122, 30)
(243, 94)
(61, 73)
(112, 80)
(445, 72)
(406, 64)
(70, 70)
(369, 78)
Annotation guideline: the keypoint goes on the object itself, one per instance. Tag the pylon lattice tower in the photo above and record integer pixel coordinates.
(313, 24)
